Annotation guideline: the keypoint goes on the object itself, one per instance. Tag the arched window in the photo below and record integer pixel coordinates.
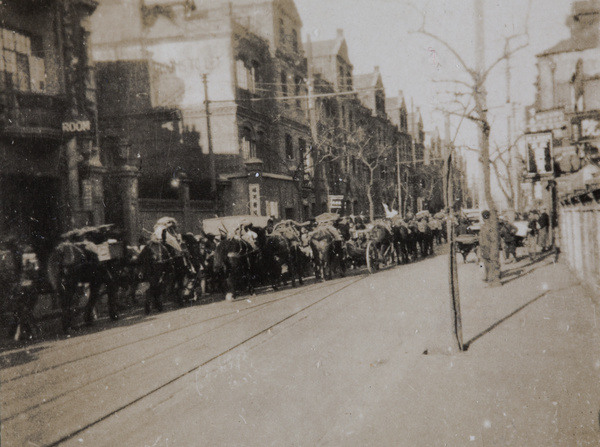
(248, 143)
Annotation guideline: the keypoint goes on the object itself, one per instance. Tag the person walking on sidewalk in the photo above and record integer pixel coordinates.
(533, 230)
(508, 232)
(544, 230)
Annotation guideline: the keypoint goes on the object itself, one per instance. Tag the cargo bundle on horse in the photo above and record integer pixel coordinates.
(89, 255)
(165, 264)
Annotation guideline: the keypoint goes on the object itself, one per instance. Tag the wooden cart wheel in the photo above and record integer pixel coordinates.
(372, 257)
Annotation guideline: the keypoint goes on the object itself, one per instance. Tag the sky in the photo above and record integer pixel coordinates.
(384, 33)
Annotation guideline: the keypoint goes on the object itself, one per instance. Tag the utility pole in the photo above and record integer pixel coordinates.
(398, 177)
(314, 149)
(211, 155)
(512, 173)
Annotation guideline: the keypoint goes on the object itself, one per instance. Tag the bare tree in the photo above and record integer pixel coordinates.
(471, 89)
(371, 154)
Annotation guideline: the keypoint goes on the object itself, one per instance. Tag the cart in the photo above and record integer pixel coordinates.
(379, 250)
(467, 243)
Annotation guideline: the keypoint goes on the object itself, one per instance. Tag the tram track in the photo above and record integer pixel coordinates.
(193, 369)
(137, 327)
(188, 341)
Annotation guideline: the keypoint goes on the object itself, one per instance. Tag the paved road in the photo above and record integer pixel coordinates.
(333, 363)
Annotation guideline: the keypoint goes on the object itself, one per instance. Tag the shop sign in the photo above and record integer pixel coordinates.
(590, 128)
(335, 202)
(87, 195)
(254, 192)
(77, 126)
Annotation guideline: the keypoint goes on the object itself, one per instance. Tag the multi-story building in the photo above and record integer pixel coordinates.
(398, 114)
(242, 87)
(562, 128)
(353, 122)
(141, 133)
(51, 178)
(563, 140)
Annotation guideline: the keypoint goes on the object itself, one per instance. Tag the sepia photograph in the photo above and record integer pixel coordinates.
(251, 223)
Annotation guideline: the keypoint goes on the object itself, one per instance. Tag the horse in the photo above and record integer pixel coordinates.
(424, 237)
(165, 271)
(288, 230)
(235, 265)
(71, 263)
(200, 249)
(328, 251)
(403, 240)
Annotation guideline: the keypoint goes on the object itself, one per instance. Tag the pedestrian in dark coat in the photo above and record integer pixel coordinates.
(508, 233)
(544, 230)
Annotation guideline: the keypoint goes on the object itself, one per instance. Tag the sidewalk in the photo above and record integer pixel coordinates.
(530, 376)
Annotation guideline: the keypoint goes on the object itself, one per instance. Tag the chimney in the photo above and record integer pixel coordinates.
(376, 68)
(340, 33)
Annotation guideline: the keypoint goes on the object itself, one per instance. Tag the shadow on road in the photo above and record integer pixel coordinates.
(517, 272)
(467, 344)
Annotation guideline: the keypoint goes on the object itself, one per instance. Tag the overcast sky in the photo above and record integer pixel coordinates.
(381, 32)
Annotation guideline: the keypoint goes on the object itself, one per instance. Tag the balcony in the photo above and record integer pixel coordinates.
(26, 114)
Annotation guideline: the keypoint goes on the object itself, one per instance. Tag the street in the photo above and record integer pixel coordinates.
(332, 363)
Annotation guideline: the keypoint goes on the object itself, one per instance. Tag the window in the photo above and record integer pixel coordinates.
(301, 147)
(289, 147)
(247, 76)
(308, 162)
(281, 31)
(298, 91)
(284, 89)
(248, 144)
(21, 62)
(295, 40)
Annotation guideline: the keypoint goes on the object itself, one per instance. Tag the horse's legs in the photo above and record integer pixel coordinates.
(91, 304)
(112, 289)
(66, 293)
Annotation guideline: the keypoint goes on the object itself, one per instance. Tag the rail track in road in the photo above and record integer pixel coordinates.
(84, 341)
(178, 334)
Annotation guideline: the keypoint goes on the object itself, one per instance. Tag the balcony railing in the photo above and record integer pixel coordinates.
(26, 114)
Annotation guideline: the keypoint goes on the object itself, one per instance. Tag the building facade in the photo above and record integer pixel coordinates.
(563, 140)
(50, 173)
(242, 82)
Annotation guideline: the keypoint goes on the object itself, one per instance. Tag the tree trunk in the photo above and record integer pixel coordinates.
(371, 203)
(489, 230)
